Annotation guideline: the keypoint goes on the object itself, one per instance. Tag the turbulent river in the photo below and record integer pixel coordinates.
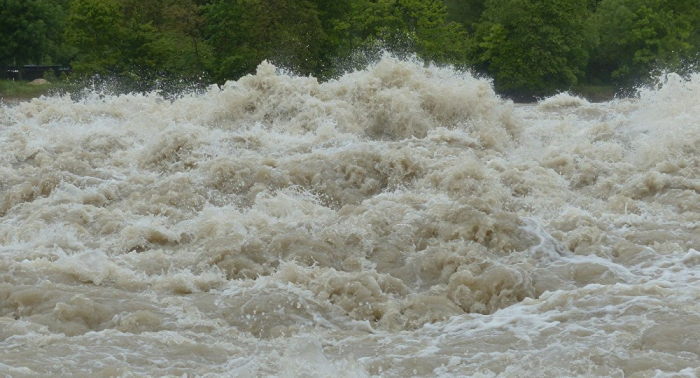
(399, 221)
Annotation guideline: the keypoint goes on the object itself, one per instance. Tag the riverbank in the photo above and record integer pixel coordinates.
(15, 91)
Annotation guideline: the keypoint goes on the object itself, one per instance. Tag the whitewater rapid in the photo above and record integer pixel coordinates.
(399, 221)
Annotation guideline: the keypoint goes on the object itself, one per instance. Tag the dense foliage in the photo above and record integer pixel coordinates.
(638, 36)
(28, 30)
(529, 47)
(533, 46)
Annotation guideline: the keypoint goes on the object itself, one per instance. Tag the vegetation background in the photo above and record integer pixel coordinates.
(531, 48)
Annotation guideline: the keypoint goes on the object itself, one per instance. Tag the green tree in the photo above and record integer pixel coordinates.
(184, 27)
(27, 30)
(243, 33)
(171, 35)
(532, 47)
(466, 12)
(335, 43)
(637, 36)
(95, 30)
(418, 25)
(438, 40)
(113, 36)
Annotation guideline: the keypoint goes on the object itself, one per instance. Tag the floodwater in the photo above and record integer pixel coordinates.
(399, 221)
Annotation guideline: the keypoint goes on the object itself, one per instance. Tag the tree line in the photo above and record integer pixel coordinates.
(529, 47)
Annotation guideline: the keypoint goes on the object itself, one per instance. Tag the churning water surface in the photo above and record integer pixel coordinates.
(399, 221)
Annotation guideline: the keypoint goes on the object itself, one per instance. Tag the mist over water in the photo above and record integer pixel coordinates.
(399, 221)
